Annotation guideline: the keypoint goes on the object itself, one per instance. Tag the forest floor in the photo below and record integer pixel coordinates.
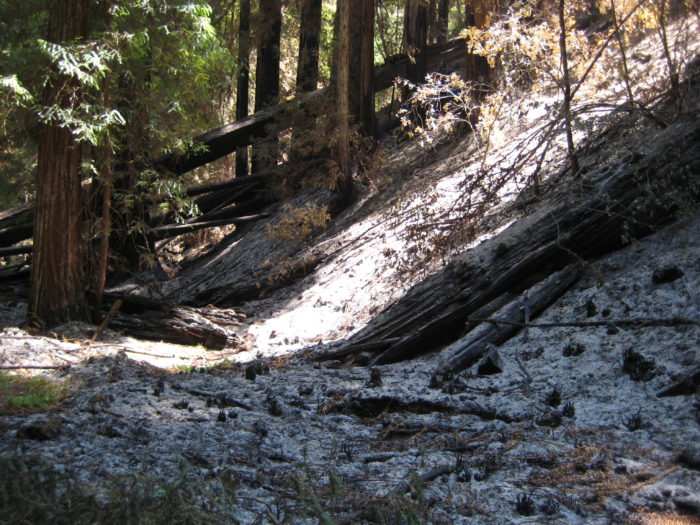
(571, 424)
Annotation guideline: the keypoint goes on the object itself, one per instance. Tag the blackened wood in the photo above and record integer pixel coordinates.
(243, 81)
(471, 348)
(15, 250)
(309, 42)
(172, 230)
(14, 234)
(579, 226)
(178, 324)
(267, 77)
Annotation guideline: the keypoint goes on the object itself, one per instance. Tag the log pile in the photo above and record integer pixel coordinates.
(607, 205)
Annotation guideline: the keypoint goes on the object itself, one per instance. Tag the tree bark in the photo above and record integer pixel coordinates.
(342, 78)
(309, 42)
(243, 81)
(415, 39)
(58, 278)
(267, 77)
(443, 16)
(361, 65)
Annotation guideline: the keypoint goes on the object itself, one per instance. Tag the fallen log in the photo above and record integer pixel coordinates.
(172, 230)
(222, 141)
(14, 234)
(19, 275)
(217, 143)
(579, 224)
(274, 279)
(468, 350)
(18, 214)
(232, 210)
(16, 250)
(172, 324)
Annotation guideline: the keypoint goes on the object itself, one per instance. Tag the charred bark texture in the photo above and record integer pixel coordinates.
(309, 42)
(606, 210)
(243, 81)
(267, 77)
(361, 65)
(173, 324)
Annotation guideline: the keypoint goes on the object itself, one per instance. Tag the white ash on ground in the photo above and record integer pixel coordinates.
(572, 430)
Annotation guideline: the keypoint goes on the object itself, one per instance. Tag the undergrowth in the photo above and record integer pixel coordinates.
(21, 395)
(29, 496)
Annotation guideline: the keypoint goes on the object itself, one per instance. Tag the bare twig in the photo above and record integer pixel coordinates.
(643, 321)
(33, 367)
(108, 319)
(405, 486)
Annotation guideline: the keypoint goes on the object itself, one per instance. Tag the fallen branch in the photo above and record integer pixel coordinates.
(108, 319)
(406, 485)
(32, 367)
(468, 350)
(643, 321)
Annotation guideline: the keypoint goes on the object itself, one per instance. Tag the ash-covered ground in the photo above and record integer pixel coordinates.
(574, 424)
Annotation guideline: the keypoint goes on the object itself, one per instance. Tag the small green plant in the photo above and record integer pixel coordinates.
(19, 395)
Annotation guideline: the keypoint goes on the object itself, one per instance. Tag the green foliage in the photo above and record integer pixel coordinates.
(40, 495)
(142, 79)
(20, 395)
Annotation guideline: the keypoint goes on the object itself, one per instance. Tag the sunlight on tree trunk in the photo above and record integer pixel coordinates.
(344, 181)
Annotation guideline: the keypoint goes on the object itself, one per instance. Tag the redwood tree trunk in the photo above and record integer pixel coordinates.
(342, 85)
(361, 65)
(443, 16)
(243, 82)
(267, 72)
(415, 34)
(58, 277)
(309, 41)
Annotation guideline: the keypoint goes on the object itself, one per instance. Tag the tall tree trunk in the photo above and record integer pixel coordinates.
(267, 76)
(432, 21)
(443, 17)
(361, 65)
(354, 83)
(58, 277)
(342, 85)
(243, 81)
(415, 35)
(309, 41)
(303, 144)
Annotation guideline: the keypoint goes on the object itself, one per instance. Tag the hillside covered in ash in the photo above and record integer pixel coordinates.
(484, 336)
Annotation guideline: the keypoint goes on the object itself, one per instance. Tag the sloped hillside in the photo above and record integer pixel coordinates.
(533, 350)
